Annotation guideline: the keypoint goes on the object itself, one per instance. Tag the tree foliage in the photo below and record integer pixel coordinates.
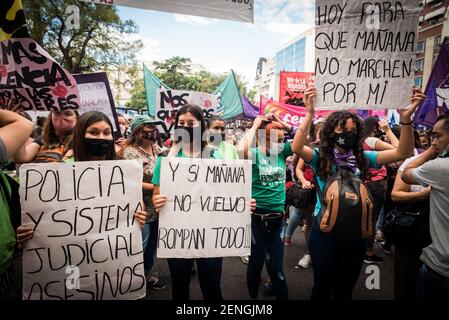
(97, 43)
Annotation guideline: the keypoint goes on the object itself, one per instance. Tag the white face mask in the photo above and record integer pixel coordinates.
(276, 148)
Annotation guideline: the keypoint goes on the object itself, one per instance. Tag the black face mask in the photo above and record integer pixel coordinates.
(98, 147)
(183, 132)
(345, 140)
(150, 136)
(216, 138)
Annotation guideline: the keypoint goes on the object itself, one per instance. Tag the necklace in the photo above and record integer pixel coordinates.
(147, 153)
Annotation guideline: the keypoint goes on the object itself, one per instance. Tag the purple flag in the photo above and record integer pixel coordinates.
(437, 91)
(249, 110)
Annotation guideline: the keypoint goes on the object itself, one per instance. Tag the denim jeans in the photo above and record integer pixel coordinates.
(209, 276)
(431, 285)
(337, 263)
(294, 221)
(266, 248)
(149, 244)
(378, 191)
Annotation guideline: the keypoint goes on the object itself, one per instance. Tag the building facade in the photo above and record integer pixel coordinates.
(264, 83)
(298, 55)
(433, 28)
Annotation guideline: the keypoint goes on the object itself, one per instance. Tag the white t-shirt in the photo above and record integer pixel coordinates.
(413, 187)
(435, 173)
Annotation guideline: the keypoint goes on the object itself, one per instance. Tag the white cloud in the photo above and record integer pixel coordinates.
(194, 20)
(151, 49)
(285, 19)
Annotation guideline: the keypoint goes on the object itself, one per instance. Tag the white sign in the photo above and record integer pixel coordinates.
(95, 95)
(86, 242)
(208, 208)
(365, 53)
(238, 10)
(168, 102)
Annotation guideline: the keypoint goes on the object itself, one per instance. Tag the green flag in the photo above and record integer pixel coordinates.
(230, 104)
(151, 84)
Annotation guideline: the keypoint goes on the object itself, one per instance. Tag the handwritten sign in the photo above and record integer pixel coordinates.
(96, 95)
(168, 102)
(30, 75)
(207, 212)
(365, 53)
(86, 242)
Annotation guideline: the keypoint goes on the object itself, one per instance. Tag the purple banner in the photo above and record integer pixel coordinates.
(437, 91)
(249, 110)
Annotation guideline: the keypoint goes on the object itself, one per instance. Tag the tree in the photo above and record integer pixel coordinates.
(175, 73)
(97, 43)
(138, 100)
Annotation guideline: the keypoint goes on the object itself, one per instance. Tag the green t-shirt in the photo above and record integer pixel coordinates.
(157, 167)
(269, 179)
(7, 233)
(228, 151)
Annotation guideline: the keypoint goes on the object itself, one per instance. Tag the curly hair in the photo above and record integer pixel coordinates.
(326, 159)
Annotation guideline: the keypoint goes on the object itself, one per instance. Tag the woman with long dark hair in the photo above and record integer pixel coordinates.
(190, 127)
(93, 140)
(337, 260)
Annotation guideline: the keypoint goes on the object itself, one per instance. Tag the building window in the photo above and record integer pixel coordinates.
(421, 46)
(418, 82)
(437, 42)
(419, 64)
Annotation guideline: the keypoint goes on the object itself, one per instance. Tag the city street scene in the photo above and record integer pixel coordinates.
(209, 152)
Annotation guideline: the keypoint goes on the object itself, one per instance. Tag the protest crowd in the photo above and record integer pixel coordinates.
(90, 200)
(393, 173)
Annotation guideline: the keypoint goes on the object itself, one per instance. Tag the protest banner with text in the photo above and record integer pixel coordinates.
(96, 95)
(29, 75)
(86, 244)
(365, 53)
(208, 208)
(168, 102)
(292, 87)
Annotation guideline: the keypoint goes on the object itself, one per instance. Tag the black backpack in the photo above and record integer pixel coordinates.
(296, 196)
(346, 206)
(408, 225)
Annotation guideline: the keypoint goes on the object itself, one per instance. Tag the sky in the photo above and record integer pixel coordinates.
(221, 45)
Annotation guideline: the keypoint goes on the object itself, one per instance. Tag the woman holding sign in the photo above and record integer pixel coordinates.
(142, 145)
(342, 220)
(190, 127)
(268, 188)
(92, 141)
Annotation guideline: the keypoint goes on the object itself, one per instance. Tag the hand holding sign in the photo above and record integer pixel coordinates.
(159, 202)
(309, 99)
(406, 114)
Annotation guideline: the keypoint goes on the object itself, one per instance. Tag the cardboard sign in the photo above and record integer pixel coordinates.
(86, 242)
(168, 102)
(365, 53)
(207, 212)
(96, 95)
(30, 75)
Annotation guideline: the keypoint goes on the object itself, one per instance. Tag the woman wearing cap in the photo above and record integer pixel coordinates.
(142, 145)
